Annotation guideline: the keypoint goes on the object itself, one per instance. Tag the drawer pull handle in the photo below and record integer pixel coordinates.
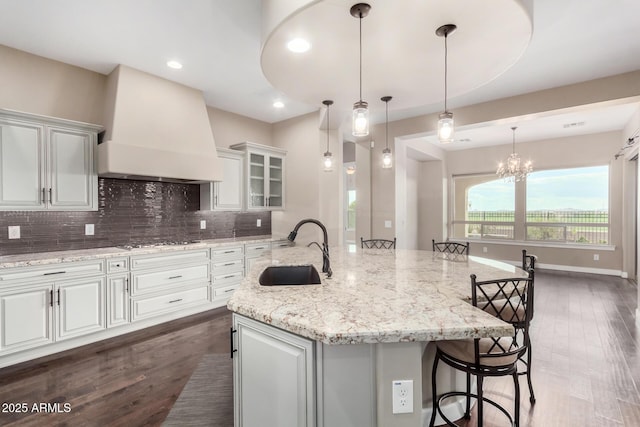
(229, 252)
(54, 272)
(175, 300)
(229, 263)
(229, 290)
(175, 277)
(229, 276)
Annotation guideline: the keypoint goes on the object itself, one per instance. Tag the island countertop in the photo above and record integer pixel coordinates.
(375, 296)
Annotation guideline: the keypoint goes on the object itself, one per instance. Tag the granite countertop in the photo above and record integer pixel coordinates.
(375, 296)
(56, 257)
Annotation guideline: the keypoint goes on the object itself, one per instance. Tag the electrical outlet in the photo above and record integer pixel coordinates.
(258, 223)
(387, 224)
(14, 231)
(89, 229)
(203, 224)
(402, 396)
(596, 257)
(484, 249)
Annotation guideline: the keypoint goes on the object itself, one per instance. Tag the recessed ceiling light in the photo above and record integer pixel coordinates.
(174, 64)
(278, 104)
(298, 45)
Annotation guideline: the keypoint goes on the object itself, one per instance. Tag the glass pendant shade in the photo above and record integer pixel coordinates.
(445, 127)
(327, 162)
(387, 160)
(360, 123)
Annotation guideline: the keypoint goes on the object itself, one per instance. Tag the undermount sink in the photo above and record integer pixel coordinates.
(289, 275)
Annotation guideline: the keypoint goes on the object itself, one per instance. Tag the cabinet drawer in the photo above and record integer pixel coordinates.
(152, 306)
(52, 271)
(228, 266)
(230, 277)
(117, 265)
(284, 243)
(255, 249)
(231, 252)
(224, 292)
(162, 260)
(151, 281)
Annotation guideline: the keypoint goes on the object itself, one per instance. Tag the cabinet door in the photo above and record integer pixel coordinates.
(274, 379)
(256, 181)
(73, 182)
(117, 300)
(21, 166)
(275, 198)
(228, 193)
(80, 307)
(25, 318)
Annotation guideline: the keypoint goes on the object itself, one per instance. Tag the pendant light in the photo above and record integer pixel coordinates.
(387, 160)
(514, 170)
(328, 159)
(445, 122)
(360, 120)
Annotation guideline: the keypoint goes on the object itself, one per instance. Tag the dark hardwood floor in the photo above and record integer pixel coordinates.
(586, 367)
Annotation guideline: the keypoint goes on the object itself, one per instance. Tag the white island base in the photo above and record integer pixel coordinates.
(282, 379)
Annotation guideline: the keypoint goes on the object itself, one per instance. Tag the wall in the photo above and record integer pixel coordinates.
(130, 212)
(38, 85)
(230, 128)
(431, 202)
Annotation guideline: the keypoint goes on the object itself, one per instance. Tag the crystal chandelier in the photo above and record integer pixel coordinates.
(515, 169)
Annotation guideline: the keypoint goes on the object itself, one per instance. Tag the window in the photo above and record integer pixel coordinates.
(568, 205)
(484, 207)
(561, 205)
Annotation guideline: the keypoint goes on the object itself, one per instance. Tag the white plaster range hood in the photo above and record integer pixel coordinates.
(156, 130)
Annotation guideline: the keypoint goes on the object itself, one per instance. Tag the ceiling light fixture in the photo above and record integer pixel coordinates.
(351, 170)
(278, 104)
(514, 170)
(360, 121)
(387, 160)
(445, 122)
(174, 64)
(328, 160)
(298, 45)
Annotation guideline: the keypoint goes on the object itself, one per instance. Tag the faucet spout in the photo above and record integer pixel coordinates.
(326, 264)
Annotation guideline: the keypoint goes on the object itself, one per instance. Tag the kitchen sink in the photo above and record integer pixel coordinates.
(289, 275)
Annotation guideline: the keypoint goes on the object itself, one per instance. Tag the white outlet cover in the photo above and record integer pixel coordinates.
(387, 224)
(14, 231)
(89, 229)
(402, 396)
(203, 224)
(259, 223)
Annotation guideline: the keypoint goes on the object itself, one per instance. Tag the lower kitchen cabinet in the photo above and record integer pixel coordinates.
(117, 300)
(253, 252)
(80, 307)
(274, 376)
(26, 317)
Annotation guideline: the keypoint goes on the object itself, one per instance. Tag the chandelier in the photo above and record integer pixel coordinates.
(515, 169)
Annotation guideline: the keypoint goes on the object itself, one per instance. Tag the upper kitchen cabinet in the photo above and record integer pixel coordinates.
(225, 195)
(47, 163)
(265, 176)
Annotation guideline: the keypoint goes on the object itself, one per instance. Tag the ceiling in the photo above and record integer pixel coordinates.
(219, 44)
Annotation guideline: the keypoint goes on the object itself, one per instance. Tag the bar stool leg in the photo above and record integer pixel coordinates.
(434, 393)
(532, 397)
(467, 414)
(480, 379)
(516, 410)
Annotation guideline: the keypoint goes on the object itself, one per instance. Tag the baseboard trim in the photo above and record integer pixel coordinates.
(572, 268)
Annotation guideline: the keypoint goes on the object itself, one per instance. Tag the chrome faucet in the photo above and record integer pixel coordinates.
(326, 266)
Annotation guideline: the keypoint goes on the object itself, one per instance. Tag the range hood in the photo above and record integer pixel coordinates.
(156, 130)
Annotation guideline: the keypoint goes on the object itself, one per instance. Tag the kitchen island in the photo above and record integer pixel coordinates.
(331, 351)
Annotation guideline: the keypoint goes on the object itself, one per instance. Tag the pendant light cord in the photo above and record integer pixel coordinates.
(387, 124)
(445, 71)
(327, 128)
(360, 56)
(513, 150)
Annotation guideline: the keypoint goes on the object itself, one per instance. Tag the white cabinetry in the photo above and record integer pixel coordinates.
(227, 271)
(253, 251)
(166, 283)
(274, 376)
(40, 305)
(265, 176)
(47, 163)
(225, 195)
(117, 292)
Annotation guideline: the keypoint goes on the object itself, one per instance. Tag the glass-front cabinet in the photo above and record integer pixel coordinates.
(265, 187)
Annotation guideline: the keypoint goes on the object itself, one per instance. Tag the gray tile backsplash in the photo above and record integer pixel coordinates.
(129, 212)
